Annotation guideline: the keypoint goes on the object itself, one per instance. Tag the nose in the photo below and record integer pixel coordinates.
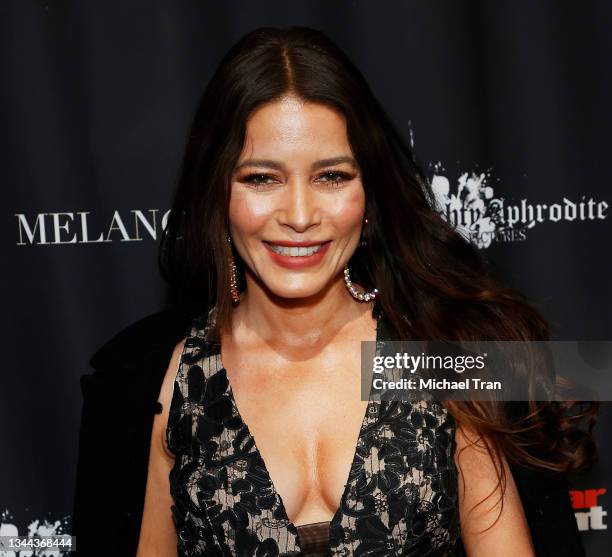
(300, 208)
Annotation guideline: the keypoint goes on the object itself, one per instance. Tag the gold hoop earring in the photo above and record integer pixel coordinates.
(235, 293)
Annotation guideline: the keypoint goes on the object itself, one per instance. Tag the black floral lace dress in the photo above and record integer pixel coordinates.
(400, 498)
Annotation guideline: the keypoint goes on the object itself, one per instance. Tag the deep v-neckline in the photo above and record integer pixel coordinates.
(257, 452)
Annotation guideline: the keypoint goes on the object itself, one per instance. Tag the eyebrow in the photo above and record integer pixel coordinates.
(269, 163)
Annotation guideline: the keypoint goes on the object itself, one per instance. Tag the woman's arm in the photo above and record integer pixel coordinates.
(157, 532)
(510, 535)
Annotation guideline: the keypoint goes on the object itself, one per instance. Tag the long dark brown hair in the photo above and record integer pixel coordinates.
(425, 270)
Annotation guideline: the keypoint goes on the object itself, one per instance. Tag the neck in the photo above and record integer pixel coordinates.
(297, 322)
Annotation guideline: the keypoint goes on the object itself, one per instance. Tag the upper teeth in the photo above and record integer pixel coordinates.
(296, 251)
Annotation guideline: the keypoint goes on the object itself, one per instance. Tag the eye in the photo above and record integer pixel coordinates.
(335, 177)
(257, 179)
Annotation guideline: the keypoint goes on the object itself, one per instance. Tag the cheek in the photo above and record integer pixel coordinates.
(248, 213)
(347, 211)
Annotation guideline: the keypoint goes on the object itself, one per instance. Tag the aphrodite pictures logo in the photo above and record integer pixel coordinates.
(482, 218)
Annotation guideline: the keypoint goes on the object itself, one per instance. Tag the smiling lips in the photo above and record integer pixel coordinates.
(296, 255)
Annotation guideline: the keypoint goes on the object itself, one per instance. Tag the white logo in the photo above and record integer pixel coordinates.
(36, 528)
(482, 218)
(75, 228)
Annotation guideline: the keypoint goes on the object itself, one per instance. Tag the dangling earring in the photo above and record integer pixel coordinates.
(235, 293)
(363, 242)
(362, 296)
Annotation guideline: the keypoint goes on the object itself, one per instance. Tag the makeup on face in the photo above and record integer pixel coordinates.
(297, 200)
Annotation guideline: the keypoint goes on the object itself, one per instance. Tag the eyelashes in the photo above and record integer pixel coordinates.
(333, 177)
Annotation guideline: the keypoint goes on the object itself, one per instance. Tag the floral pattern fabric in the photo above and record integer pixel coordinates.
(400, 498)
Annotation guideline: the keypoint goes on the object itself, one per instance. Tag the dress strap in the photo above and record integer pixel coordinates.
(190, 377)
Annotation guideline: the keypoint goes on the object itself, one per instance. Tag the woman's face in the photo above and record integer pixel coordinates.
(287, 189)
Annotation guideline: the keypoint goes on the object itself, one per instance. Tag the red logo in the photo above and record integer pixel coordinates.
(587, 509)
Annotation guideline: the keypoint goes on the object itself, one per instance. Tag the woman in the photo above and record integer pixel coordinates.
(302, 217)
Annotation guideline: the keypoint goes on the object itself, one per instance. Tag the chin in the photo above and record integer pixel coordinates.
(295, 293)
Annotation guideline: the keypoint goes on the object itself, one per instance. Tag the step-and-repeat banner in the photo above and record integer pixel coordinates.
(505, 103)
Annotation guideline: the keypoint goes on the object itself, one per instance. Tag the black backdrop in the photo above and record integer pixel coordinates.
(505, 102)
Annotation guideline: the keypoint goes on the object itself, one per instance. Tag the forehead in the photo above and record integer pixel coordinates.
(292, 126)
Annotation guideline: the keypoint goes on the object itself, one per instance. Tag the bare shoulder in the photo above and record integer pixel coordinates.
(165, 396)
(158, 535)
